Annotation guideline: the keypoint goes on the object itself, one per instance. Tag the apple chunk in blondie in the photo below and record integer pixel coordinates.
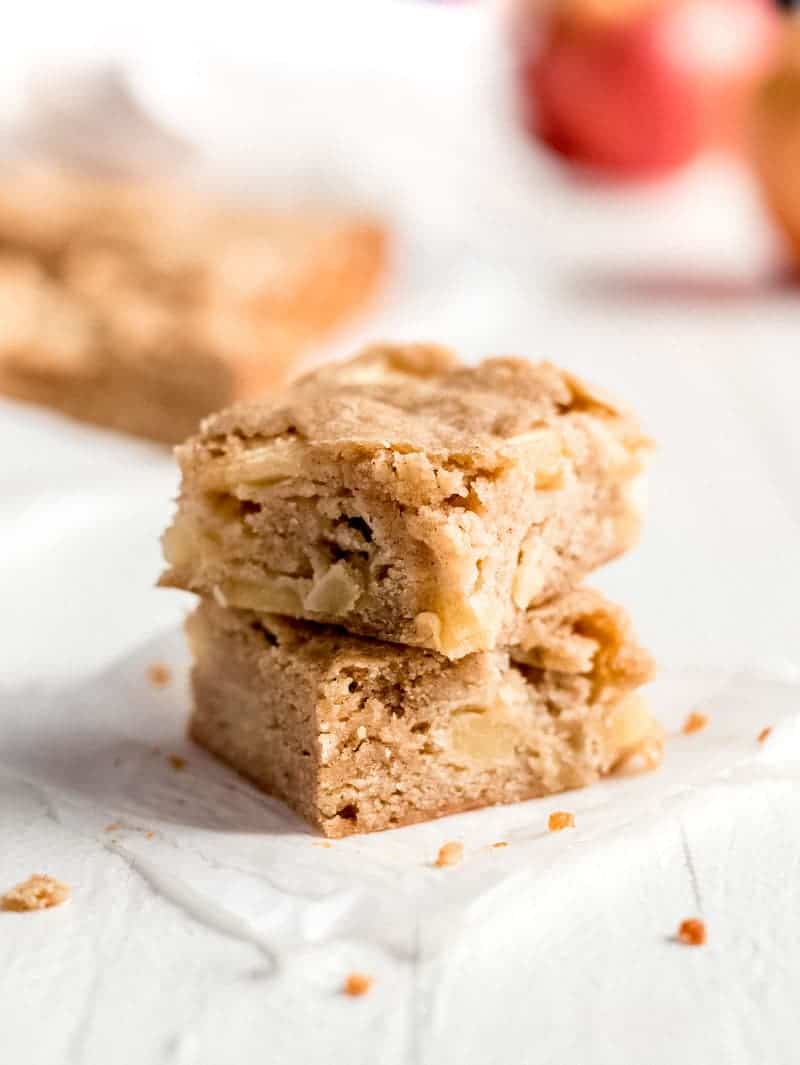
(406, 497)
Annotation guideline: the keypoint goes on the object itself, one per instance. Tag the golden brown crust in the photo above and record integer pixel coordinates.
(413, 398)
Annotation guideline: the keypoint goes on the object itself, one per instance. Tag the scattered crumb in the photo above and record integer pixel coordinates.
(559, 820)
(646, 757)
(692, 932)
(320, 843)
(449, 854)
(159, 675)
(357, 984)
(115, 826)
(117, 762)
(38, 892)
(764, 733)
(502, 843)
(176, 761)
(149, 835)
(695, 722)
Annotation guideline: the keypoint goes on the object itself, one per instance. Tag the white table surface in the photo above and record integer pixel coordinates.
(667, 297)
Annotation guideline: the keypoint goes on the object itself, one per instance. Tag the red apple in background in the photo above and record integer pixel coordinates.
(639, 87)
(776, 138)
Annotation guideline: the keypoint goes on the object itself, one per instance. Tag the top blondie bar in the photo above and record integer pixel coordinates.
(407, 497)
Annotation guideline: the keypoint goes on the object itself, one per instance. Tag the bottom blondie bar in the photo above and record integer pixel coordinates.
(358, 735)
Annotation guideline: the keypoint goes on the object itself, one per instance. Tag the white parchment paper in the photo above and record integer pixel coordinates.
(100, 752)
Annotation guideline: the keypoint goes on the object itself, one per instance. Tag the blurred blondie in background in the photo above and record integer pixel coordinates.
(192, 223)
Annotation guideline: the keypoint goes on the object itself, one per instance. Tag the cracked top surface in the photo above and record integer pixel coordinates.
(417, 397)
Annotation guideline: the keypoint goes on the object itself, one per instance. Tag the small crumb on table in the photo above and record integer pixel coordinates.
(177, 762)
(644, 758)
(764, 733)
(320, 843)
(115, 826)
(695, 722)
(449, 854)
(559, 820)
(502, 843)
(38, 892)
(692, 932)
(357, 984)
(159, 675)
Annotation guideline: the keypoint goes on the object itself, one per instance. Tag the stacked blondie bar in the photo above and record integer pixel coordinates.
(389, 555)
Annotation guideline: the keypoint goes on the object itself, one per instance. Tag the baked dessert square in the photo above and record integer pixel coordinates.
(358, 735)
(185, 305)
(407, 497)
(134, 368)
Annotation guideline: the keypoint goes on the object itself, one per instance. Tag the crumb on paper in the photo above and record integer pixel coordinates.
(559, 820)
(320, 843)
(502, 843)
(149, 835)
(695, 722)
(692, 932)
(38, 892)
(764, 734)
(177, 762)
(159, 675)
(644, 759)
(357, 984)
(115, 826)
(449, 854)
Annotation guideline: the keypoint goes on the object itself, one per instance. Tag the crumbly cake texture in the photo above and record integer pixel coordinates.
(358, 736)
(143, 309)
(406, 497)
(38, 892)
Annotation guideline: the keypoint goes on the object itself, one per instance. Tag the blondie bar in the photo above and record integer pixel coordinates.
(185, 305)
(409, 498)
(358, 735)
